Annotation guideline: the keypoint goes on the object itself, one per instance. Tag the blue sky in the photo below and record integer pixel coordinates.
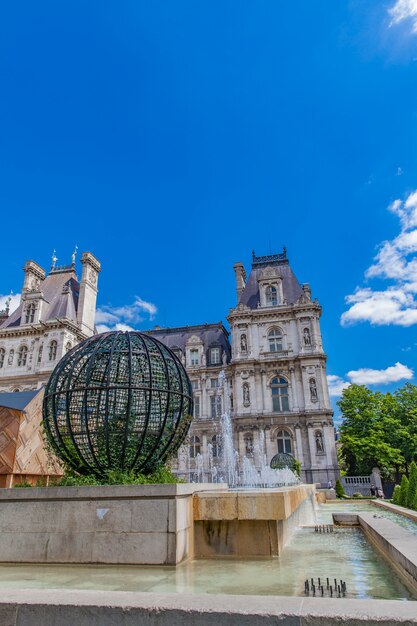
(172, 138)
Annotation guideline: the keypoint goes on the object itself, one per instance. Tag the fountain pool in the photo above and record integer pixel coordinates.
(343, 554)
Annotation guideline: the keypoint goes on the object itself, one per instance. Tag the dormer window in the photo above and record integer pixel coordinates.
(30, 313)
(271, 296)
(215, 356)
(194, 357)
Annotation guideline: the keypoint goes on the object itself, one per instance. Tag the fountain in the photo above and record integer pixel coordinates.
(239, 473)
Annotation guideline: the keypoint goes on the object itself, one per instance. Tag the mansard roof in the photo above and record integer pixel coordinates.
(291, 288)
(60, 290)
(210, 335)
(17, 400)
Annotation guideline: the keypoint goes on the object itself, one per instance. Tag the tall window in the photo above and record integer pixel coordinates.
(195, 384)
(2, 355)
(53, 347)
(30, 313)
(215, 442)
(194, 357)
(215, 406)
(22, 356)
(279, 389)
(196, 406)
(214, 383)
(284, 442)
(195, 446)
(271, 296)
(275, 340)
(215, 356)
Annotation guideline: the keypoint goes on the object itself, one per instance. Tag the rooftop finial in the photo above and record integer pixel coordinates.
(9, 299)
(54, 259)
(74, 254)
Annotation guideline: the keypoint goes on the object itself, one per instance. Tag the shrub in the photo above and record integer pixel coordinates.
(412, 486)
(161, 475)
(23, 484)
(403, 491)
(357, 495)
(396, 494)
(340, 492)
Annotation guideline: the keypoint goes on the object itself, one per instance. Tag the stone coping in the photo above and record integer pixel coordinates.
(108, 492)
(401, 510)
(30, 607)
(397, 544)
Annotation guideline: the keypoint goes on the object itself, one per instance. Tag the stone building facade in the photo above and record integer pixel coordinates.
(55, 313)
(275, 384)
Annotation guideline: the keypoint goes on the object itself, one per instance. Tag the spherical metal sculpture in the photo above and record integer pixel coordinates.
(117, 401)
(282, 460)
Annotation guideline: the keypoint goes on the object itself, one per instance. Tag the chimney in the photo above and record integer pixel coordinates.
(240, 275)
(86, 312)
(34, 275)
(307, 290)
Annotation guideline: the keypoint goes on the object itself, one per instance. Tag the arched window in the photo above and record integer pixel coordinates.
(195, 446)
(22, 356)
(271, 296)
(284, 442)
(279, 389)
(2, 355)
(40, 354)
(30, 313)
(53, 346)
(275, 340)
(215, 442)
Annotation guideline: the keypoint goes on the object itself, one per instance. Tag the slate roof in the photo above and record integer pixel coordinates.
(210, 334)
(60, 290)
(291, 288)
(18, 399)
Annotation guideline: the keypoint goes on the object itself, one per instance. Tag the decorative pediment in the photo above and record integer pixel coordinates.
(269, 272)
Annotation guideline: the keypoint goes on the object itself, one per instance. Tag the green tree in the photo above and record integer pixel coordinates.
(412, 486)
(372, 434)
(340, 492)
(396, 494)
(403, 491)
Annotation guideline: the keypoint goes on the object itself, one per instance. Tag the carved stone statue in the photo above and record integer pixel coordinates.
(11, 355)
(224, 358)
(319, 442)
(243, 343)
(306, 337)
(246, 394)
(313, 389)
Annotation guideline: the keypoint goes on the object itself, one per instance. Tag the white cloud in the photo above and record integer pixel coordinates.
(404, 10)
(336, 385)
(396, 260)
(14, 302)
(122, 317)
(367, 376)
(393, 374)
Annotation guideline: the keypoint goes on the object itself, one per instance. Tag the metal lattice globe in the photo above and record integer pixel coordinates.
(282, 460)
(117, 401)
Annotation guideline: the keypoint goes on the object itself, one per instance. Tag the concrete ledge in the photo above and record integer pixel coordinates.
(397, 544)
(107, 492)
(101, 608)
(401, 510)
